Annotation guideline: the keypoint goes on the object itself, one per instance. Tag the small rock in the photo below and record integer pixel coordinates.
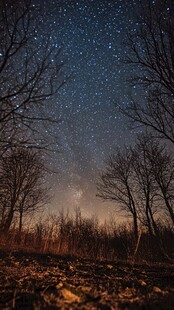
(142, 283)
(70, 296)
(109, 266)
(156, 289)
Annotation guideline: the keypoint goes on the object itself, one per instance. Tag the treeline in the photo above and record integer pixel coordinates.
(85, 237)
(30, 76)
(140, 180)
(22, 188)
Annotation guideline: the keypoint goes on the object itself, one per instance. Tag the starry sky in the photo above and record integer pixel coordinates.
(91, 35)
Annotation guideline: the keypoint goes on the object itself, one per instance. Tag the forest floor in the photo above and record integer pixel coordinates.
(30, 281)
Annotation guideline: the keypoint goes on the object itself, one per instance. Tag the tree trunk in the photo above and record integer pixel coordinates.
(155, 228)
(169, 208)
(149, 221)
(134, 213)
(8, 221)
(135, 222)
(20, 226)
(20, 221)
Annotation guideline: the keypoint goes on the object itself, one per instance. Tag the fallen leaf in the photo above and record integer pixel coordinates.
(142, 283)
(69, 296)
(156, 289)
(109, 266)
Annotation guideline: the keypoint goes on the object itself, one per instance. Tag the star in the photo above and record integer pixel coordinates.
(90, 126)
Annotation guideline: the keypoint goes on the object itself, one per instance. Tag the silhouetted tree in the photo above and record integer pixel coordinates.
(117, 184)
(147, 189)
(21, 190)
(30, 73)
(161, 161)
(140, 180)
(151, 50)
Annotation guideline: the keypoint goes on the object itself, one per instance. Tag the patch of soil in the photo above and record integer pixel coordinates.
(29, 281)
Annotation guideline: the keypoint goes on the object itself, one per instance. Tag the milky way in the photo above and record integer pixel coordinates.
(91, 34)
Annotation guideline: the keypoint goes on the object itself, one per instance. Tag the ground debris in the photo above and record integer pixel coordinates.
(29, 281)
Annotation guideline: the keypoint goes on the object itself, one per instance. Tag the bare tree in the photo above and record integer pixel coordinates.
(22, 190)
(162, 165)
(116, 184)
(30, 73)
(153, 167)
(151, 50)
(140, 180)
(147, 190)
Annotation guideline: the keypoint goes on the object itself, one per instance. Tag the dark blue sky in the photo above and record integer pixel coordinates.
(91, 34)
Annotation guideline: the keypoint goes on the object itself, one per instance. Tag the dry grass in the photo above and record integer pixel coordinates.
(87, 238)
(76, 263)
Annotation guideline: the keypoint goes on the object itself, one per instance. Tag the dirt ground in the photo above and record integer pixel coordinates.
(30, 281)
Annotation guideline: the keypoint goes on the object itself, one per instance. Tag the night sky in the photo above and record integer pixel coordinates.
(91, 35)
